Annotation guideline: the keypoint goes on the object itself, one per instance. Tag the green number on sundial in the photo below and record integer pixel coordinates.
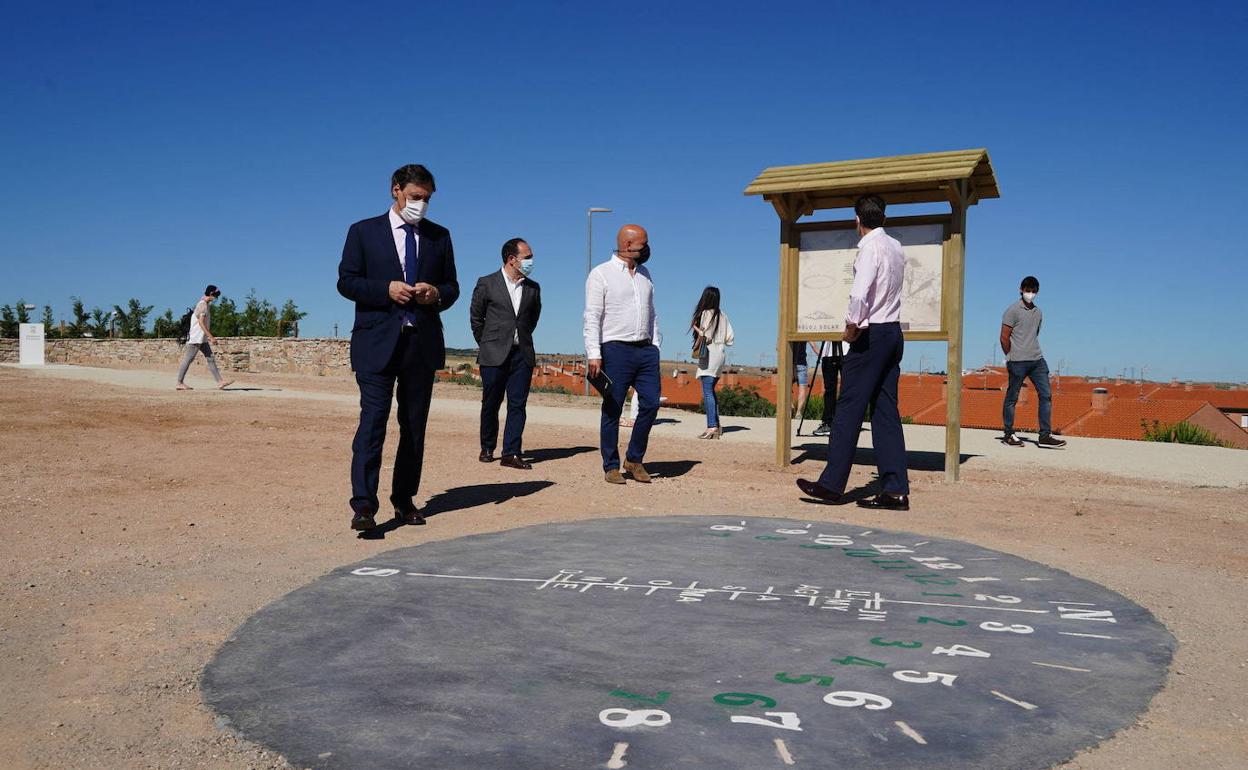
(769, 537)
(860, 554)
(854, 660)
(744, 699)
(954, 623)
(822, 681)
(879, 642)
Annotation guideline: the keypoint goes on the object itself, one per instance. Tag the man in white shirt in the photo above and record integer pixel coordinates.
(506, 306)
(622, 341)
(197, 339)
(871, 368)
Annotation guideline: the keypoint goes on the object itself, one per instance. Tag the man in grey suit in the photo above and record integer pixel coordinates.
(504, 312)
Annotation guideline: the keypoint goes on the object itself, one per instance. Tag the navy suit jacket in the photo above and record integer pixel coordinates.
(369, 263)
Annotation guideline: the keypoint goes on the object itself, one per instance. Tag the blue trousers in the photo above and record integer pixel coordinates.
(869, 376)
(709, 404)
(511, 379)
(408, 369)
(636, 367)
(1038, 371)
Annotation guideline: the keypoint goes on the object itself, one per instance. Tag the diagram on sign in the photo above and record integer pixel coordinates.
(826, 275)
(699, 642)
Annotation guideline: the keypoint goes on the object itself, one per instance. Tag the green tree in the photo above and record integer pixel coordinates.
(100, 324)
(49, 323)
(739, 401)
(8, 322)
(132, 322)
(259, 317)
(23, 315)
(79, 326)
(165, 325)
(226, 320)
(288, 321)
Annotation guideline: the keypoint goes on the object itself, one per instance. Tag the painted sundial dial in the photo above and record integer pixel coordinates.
(690, 642)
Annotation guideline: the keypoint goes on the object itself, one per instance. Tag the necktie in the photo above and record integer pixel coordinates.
(409, 268)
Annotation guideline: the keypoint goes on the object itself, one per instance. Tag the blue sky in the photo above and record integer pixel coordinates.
(151, 149)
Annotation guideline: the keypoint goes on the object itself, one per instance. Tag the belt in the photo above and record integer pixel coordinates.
(631, 343)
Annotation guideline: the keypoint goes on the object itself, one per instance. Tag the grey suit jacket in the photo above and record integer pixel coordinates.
(495, 323)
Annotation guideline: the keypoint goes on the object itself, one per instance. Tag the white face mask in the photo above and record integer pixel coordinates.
(1029, 297)
(526, 266)
(414, 211)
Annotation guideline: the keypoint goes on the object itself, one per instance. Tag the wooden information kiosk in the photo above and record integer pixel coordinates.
(816, 259)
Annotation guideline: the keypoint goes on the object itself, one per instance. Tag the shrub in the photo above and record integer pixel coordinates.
(739, 401)
(461, 378)
(1180, 433)
(557, 389)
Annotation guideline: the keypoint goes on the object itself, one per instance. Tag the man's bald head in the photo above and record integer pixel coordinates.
(631, 237)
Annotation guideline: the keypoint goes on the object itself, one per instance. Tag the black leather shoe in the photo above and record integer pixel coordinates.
(409, 517)
(886, 502)
(362, 522)
(817, 490)
(1051, 441)
(515, 461)
(486, 456)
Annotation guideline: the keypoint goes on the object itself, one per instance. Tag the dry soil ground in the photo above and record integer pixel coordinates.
(142, 527)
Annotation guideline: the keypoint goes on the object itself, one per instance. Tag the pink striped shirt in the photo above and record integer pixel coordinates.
(879, 269)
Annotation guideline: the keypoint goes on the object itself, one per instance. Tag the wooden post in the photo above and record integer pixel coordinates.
(955, 257)
(784, 356)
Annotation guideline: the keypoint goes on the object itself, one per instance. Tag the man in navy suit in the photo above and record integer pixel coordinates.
(399, 269)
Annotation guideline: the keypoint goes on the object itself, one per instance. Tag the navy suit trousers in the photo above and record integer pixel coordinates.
(638, 368)
(410, 370)
(869, 376)
(511, 379)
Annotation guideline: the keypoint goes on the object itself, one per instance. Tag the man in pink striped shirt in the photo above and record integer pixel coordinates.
(871, 368)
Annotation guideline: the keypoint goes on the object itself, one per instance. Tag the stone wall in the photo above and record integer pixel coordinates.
(305, 355)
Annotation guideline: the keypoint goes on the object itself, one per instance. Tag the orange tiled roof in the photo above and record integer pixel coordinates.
(982, 409)
(1125, 418)
(1222, 399)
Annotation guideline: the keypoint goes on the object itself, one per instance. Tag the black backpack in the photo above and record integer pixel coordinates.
(184, 326)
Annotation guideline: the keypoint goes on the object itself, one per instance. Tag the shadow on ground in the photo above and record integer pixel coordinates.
(671, 468)
(461, 498)
(557, 453)
(915, 460)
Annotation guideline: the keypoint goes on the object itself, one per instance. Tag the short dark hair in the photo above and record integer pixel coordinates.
(1030, 282)
(511, 248)
(870, 211)
(413, 173)
(212, 291)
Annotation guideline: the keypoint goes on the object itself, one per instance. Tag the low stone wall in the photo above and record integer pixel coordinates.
(305, 355)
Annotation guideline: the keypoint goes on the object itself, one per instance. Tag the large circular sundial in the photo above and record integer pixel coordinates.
(690, 642)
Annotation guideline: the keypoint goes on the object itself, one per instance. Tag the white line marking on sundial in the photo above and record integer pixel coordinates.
(808, 526)
(1064, 668)
(1090, 636)
(1081, 604)
(910, 732)
(981, 580)
(965, 606)
(783, 751)
(617, 760)
(478, 577)
(925, 542)
(1034, 580)
(743, 523)
(864, 534)
(1022, 703)
(983, 558)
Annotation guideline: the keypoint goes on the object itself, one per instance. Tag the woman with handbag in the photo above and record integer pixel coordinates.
(712, 333)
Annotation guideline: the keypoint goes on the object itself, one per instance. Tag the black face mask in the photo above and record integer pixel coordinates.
(643, 254)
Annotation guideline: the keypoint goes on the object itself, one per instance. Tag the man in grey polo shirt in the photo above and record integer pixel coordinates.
(1020, 339)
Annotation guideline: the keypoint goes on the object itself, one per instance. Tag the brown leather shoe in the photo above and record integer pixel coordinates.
(362, 522)
(817, 490)
(614, 477)
(515, 461)
(1051, 441)
(486, 456)
(409, 517)
(637, 471)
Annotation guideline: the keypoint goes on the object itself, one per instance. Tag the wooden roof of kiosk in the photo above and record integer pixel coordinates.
(960, 178)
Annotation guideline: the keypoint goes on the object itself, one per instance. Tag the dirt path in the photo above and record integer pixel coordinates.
(142, 528)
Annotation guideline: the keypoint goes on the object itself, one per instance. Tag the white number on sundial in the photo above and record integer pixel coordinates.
(618, 717)
(788, 720)
(914, 677)
(854, 698)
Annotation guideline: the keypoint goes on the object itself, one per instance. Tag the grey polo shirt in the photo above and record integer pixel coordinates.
(1024, 323)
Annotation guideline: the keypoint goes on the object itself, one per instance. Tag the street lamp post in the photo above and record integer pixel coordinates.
(589, 264)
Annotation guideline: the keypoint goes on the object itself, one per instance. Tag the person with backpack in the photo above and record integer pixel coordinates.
(196, 334)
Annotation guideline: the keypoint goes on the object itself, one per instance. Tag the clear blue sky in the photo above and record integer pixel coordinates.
(150, 148)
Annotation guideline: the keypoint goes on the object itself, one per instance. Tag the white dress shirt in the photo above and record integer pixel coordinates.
(879, 269)
(516, 290)
(400, 245)
(619, 306)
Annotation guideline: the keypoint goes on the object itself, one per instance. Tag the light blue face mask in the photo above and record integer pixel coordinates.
(526, 266)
